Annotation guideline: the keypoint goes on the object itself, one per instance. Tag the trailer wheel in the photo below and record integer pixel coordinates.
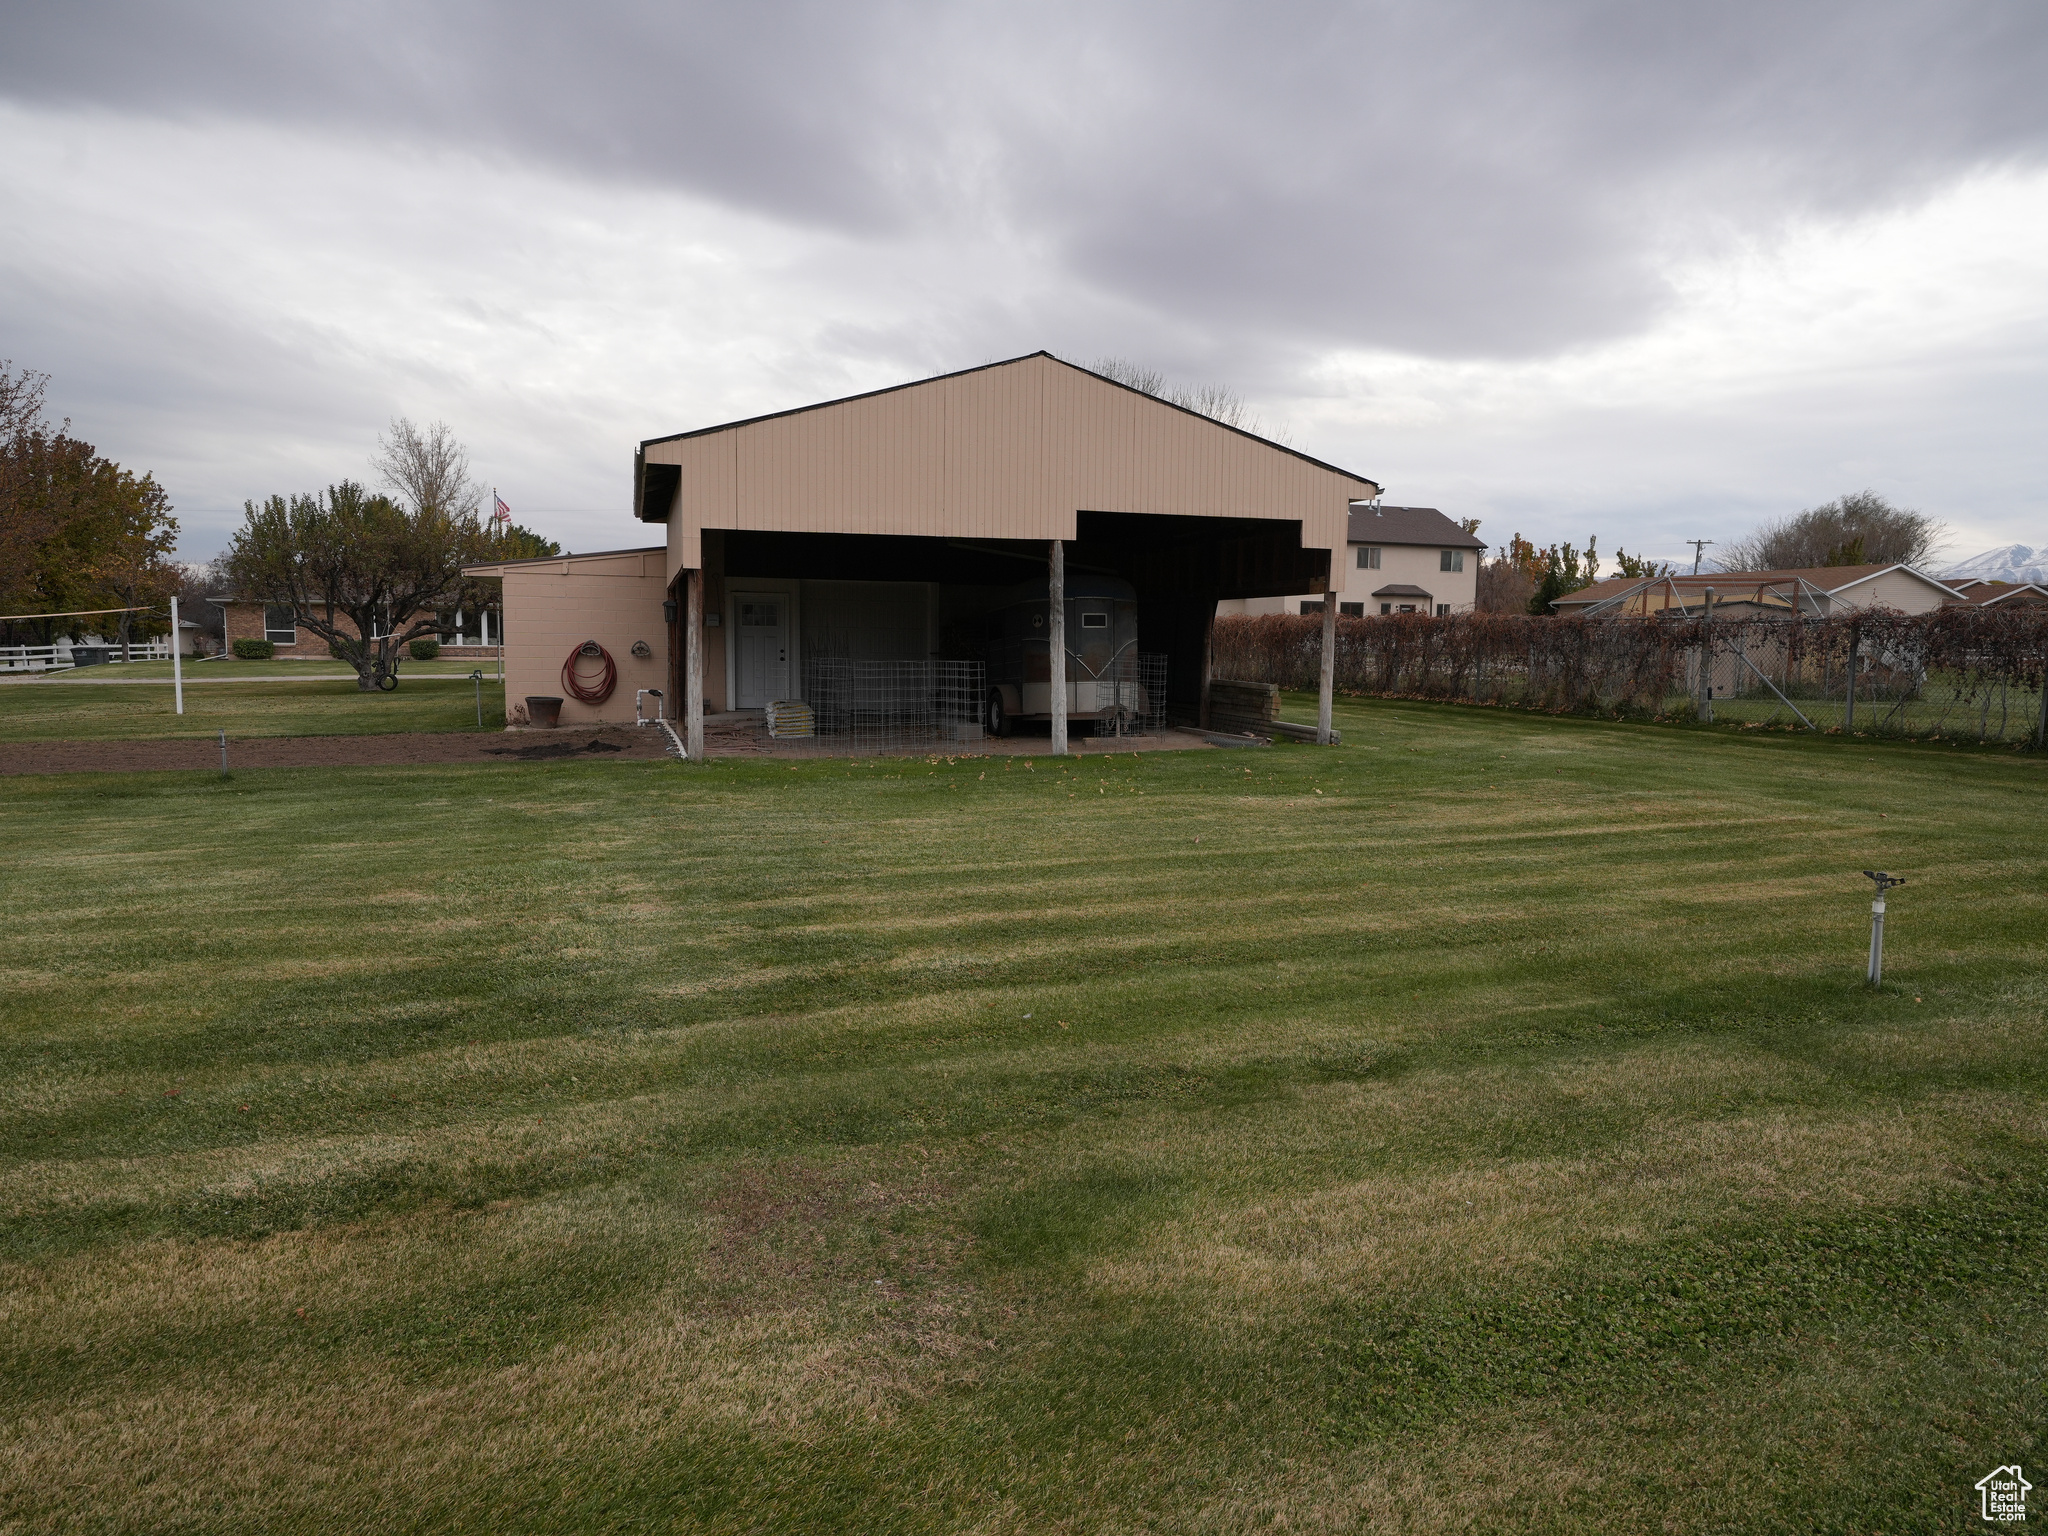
(998, 718)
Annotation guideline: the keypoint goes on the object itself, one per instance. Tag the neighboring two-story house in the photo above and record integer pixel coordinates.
(1404, 559)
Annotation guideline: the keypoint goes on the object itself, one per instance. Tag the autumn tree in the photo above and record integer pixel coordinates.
(77, 531)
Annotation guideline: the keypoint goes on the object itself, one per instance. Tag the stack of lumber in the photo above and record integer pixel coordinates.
(790, 717)
(1236, 708)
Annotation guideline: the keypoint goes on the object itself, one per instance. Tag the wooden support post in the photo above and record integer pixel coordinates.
(693, 665)
(1056, 647)
(1326, 688)
(1208, 663)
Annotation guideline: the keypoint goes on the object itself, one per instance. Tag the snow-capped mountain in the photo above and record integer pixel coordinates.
(2012, 562)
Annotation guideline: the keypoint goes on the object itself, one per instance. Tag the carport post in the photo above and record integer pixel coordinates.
(1056, 647)
(1327, 687)
(693, 665)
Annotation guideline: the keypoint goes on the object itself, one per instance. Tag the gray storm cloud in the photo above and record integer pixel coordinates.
(1451, 179)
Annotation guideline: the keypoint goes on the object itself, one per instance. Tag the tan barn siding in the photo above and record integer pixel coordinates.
(1009, 452)
(1015, 451)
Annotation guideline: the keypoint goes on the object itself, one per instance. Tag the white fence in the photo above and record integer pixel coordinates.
(58, 657)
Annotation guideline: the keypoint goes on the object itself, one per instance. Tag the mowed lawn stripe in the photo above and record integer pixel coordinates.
(940, 1145)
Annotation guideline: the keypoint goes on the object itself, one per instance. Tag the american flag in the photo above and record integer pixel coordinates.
(501, 512)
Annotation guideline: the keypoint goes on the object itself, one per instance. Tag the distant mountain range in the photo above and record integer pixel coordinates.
(2013, 562)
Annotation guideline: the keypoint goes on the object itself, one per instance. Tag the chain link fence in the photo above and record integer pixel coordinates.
(1956, 672)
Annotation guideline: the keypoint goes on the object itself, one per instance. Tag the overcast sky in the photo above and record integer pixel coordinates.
(1647, 271)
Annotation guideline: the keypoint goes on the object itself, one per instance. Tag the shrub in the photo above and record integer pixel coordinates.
(425, 650)
(254, 650)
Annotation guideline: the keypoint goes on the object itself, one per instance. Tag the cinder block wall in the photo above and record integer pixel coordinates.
(554, 606)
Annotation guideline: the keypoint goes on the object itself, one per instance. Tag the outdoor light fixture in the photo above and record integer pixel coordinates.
(1884, 883)
(668, 611)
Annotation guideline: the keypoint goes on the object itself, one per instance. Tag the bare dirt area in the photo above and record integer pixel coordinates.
(328, 751)
(740, 734)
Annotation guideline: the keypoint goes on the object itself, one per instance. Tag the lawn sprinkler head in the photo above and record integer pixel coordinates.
(1885, 882)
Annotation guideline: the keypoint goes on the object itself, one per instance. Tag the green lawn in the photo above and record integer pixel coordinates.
(1478, 1127)
(64, 710)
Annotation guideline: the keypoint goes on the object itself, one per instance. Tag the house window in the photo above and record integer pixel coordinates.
(281, 625)
(1443, 610)
(1353, 610)
(1311, 607)
(1453, 560)
(1406, 608)
(1095, 621)
(1368, 558)
(1386, 607)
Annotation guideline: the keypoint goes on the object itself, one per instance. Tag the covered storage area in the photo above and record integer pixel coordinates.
(970, 532)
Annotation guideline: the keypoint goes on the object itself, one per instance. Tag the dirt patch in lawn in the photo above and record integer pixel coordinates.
(203, 753)
(732, 735)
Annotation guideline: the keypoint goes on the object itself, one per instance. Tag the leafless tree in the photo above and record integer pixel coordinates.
(1858, 529)
(1216, 401)
(1149, 381)
(427, 467)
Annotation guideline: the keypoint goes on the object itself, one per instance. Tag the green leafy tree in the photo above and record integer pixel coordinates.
(1849, 552)
(363, 571)
(512, 542)
(1639, 567)
(1565, 569)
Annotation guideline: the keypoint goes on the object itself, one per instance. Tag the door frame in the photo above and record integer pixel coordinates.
(784, 588)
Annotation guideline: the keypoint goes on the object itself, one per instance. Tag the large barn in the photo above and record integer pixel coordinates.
(930, 523)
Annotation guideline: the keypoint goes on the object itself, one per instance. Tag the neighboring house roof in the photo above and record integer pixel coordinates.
(1408, 525)
(1401, 589)
(1737, 586)
(1984, 594)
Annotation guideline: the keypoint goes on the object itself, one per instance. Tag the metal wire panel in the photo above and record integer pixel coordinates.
(1132, 693)
(887, 708)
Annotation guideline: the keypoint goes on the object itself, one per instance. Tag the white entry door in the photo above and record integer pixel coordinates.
(763, 666)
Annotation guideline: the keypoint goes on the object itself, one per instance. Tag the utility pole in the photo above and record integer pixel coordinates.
(1699, 548)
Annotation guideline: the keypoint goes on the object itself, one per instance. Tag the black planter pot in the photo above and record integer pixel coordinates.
(543, 710)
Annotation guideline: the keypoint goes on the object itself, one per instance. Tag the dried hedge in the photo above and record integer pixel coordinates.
(1954, 656)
